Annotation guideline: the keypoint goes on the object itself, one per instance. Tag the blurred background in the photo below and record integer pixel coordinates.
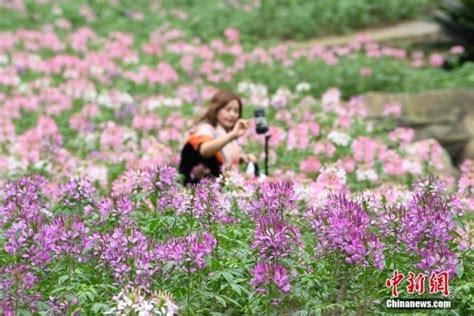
(415, 52)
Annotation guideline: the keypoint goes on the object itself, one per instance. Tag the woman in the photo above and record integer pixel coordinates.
(211, 147)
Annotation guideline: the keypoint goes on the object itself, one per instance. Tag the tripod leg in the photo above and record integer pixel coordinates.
(267, 137)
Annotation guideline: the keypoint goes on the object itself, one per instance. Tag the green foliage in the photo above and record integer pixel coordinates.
(457, 19)
(257, 20)
(295, 19)
(388, 74)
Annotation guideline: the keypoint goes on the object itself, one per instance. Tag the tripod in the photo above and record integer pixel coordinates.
(267, 138)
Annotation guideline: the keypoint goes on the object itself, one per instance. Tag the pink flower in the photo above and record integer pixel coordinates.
(392, 109)
(436, 60)
(365, 72)
(280, 277)
(392, 163)
(366, 150)
(331, 99)
(417, 63)
(347, 164)
(324, 147)
(457, 50)
(232, 34)
(403, 135)
(310, 165)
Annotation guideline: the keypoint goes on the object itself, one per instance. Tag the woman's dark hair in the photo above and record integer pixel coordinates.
(218, 101)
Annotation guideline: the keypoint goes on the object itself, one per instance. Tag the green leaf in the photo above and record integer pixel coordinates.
(236, 288)
(63, 278)
(99, 307)
(229, 277)
(221, 300)
(460, 269)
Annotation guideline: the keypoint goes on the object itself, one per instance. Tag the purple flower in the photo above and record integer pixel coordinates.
(117, 207)
(69, 237)
(343, 225)
(162, 183)
(427, 224)
(280, 277)
(259, 274)
(128, 253)
(271, 199)
(77, 190)
(23, 200)
(209, 203)
(265, 273)
(274, 238)
(16, 283)
(24, 215)
(187, 253)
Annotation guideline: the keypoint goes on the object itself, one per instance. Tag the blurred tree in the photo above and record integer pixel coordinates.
(457, 19)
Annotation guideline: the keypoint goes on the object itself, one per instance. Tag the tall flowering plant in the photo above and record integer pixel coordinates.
(343, 226)
(275, 238)
(128, 254)
(428, 224)
(24, 225)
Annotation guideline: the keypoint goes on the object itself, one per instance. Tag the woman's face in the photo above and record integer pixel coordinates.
(228, 115)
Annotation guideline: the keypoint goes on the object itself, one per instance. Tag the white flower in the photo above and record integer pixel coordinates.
(303, 192)
(17, 164)
(23, 88)
(97, 173)
(90, 95)
(43, 164)
(259, 89)
(154, 104)
(302, 87)
(412, 166)
(95, 70)
(367, 174)
(105, 100)
(125, 97)
(4, 59)
(172, 102)
(57, 10)
(339, 138)
(131, 59)
(130, 135)
(70, 73)
(172, 308)
(46, 212)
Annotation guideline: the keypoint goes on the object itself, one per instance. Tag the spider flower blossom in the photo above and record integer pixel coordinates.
(265, 273)
(70, 237)
(118, 207)
(210, 203)
(343, 225)
(163, 181)
(22, 200)
(132, 300)
(77, 190)
(427, 226)
(127, 252)
(188, 253)
(16, 282)
(274, 238)
(466, 184)
(272, 199)
(24, 217)
(466, 181)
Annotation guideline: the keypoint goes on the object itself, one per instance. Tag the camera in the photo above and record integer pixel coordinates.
(260, 121)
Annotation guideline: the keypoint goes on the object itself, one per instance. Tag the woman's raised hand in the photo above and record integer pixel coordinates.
(239, 128)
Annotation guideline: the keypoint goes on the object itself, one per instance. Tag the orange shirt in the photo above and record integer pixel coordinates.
(228, 156)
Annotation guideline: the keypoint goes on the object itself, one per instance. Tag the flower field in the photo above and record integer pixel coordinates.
(93, 218)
